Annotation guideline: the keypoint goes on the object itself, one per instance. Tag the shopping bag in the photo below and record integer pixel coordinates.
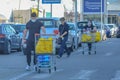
(98, 37)
(85, 38)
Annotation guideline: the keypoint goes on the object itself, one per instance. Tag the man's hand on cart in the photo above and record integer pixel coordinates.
(23, 41)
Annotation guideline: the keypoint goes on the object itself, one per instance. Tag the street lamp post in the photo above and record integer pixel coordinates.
(76, 14)
(38, 7)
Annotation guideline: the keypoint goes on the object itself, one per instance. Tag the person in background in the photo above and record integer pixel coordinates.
(90, 28)
(63, 32)
(33, 26)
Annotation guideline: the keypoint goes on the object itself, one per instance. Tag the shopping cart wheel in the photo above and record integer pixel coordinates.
(39, 70)
(83, 52)
(89, 53)
(55, 68)
(49, 70)
(95, 52)
(35, 68)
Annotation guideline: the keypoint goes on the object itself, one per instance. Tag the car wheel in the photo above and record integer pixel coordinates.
(19, 49)
(8, 49)
(72, 48)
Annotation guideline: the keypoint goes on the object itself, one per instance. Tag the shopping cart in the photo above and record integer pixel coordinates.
(45, 52)
(92, 39)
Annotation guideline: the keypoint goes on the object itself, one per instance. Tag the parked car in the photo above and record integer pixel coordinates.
(9, 39)
(19, 28)
(113, 29)
(73, 32)
(108, 32)
(118, 33)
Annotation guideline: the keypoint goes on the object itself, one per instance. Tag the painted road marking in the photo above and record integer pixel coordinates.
(41, 76)
(108, 54)
(84, 75)
(22, 75)
(117, 76)
(46, 75)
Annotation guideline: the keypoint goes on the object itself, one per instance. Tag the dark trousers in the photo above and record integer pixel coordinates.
(30, 47)
(89, 46)
(62, 47)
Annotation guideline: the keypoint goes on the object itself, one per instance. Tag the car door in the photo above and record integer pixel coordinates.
(13, 37)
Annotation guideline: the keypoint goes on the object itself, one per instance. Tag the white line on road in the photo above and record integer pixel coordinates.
(46, 75)
(84, 74)
(109, 42)
(117, 76)
(22, 75)
(108, 54)
(41, 76)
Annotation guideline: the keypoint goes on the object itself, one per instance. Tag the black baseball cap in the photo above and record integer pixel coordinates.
(33, 14)
(62, 19)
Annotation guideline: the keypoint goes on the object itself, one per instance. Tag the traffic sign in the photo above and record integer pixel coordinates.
(93, 6)
(51, 1)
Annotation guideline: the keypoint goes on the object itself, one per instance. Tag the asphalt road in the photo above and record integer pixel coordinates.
(105, 65)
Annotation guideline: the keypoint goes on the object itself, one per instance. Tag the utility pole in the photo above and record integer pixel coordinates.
(19, 4)
(38, 6)
(51, 10)
(76, 14)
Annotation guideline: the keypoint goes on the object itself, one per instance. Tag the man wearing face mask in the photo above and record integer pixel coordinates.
(33, 26)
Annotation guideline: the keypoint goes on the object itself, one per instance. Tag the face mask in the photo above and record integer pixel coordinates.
(33, 20)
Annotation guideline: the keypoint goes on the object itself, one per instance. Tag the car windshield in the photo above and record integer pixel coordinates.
(81, 25)
(71, 27)
(48, 23)
(19, 28)
(111, 26)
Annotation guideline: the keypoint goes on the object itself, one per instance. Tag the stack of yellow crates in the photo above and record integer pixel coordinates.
(44, 46)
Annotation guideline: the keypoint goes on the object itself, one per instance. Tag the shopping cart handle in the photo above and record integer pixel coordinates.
(47, 34)
(37, 34)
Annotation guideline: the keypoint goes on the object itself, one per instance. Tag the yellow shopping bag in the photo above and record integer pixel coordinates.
(98, 37)
(85, 38)
(44, 46)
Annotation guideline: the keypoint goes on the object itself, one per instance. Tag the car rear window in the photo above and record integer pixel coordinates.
(48, 23)
(71, 27)
(111, 26)
(81, 25)
(19, 28)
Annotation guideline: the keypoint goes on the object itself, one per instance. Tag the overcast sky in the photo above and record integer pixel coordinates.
(6, 6)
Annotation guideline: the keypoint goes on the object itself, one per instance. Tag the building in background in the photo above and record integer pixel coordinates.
(3, 19)
(113, 11)
(20, 16)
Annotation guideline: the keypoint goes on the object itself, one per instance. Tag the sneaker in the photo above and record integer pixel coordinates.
(68, 54)
(28, 68)
(89, 53)
(35, 68)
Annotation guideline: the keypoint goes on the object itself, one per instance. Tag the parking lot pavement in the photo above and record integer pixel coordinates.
(11, 65)
(101, 66)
